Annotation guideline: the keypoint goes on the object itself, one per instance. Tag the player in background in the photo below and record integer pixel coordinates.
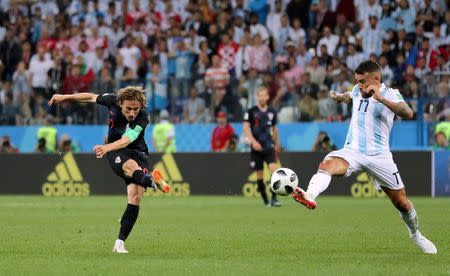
(367, 147)
(127, 151)
(260, 126)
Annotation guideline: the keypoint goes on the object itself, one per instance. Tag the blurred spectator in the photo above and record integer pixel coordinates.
(329, 40)
(221, 134)
(309, 108)
(233, 145)
(323, 143)
(41, 147)
(193, 108)
(248, 88)
(327, 107)
(103, 84)
(10, 54)
(39, 66)
(131, 54)
(217, 78)
(405, 16)
(307, 87)
(316, 71)
(259, 55)
(426, 16)
(48, 132)
(183, 62)
(21, 82)
(369, 37)
(296, 33)
(441, 142)
(9, 110)
(7, 146)
(163, 138)
(387, 76)
(156, 89)
(66, 145)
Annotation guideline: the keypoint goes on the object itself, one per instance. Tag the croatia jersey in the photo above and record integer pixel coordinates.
(371, 122)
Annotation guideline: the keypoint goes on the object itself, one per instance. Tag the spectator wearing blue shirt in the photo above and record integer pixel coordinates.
(260, 8)
(405, 15)
(182, 55)
(156, 87)
(410, 52)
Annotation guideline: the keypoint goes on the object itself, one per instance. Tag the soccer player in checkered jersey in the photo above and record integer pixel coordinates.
(127, 152)
(260, 126)
(367, 147)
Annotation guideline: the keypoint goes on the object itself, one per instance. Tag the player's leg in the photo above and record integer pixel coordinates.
(320, 181)
(274, 202)
(130, 216)
(256, 162)
(262, 186)
(385, 175)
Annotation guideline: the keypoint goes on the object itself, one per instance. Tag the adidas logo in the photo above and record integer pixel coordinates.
(172, 176)
(250, 189)
(66, 179)
(365, 187)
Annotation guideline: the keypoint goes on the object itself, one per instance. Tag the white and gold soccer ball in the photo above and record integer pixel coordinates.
(283, 181)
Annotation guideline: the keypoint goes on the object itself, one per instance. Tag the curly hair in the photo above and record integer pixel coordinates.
(132, 93)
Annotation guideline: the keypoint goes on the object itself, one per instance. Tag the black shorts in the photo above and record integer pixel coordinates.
(117, 158)
(259, 157)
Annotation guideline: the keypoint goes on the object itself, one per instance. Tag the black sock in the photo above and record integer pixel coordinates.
(262, 190)
(128, 219)
(142, 179)
(274, 196)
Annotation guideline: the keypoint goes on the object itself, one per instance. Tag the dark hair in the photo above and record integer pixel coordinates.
(367, 66)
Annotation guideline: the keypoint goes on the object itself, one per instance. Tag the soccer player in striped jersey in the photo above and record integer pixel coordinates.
(367, 147)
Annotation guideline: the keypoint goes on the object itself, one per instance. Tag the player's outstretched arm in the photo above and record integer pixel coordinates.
(399, 108)
(101, 150)
(79, 97)
(344, 97)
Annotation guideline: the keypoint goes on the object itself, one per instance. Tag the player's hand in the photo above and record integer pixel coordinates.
(57, 98)
(277, 148)
(100, 150)
(335, 96)
(375, 91)
(256, 146)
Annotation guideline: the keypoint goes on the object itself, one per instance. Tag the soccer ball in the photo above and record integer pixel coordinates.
(283, 181)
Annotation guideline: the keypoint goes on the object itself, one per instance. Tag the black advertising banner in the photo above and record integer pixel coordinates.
(191, 173)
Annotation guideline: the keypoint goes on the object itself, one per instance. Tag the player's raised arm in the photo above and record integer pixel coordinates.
(79, 97)
(344, 97)
(400, 108)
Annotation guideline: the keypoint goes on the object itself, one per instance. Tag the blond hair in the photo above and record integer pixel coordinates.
(132, 93)
(262, 88)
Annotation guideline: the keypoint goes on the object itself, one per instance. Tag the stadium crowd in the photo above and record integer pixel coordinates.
(200, 57)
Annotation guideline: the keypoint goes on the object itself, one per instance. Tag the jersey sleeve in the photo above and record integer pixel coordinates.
(137, 127)
(247, 115)
(394, 95)
(275, 118)
(107, 99)
(355, 92)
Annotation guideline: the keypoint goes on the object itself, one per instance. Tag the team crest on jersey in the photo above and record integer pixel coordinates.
(270, 115)
(127, 127)
(118, 160)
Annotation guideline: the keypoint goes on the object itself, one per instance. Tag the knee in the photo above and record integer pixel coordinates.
(135, 198)
(402, 205)
(129, 168)
(326, 166)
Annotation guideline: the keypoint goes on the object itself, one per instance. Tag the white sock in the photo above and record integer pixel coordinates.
(318, 183)
(411, 220)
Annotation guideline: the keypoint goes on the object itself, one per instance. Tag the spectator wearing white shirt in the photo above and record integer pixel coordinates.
(193, 108)
(280, 36)
(257, 28)
(296, 33)
(131, 54)
(303, 56)
(38, 72)
(386, 73)
(115, 34)
(273, 18)
(328, 39)
(436, 39)
(47, 7)
(354, 58)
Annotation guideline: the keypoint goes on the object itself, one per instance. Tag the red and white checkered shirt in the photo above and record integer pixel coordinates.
(227, 54)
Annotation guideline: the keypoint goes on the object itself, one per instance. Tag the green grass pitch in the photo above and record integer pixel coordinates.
(213, 235)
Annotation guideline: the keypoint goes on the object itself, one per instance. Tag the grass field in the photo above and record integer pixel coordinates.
(219, 236)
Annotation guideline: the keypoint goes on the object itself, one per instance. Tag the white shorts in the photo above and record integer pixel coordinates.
(380, 167)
